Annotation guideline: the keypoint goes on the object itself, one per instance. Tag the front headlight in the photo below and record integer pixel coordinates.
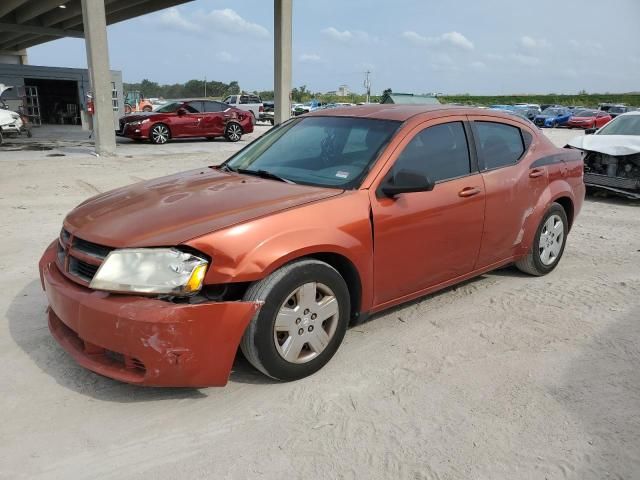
(137, 123)
(160, 271)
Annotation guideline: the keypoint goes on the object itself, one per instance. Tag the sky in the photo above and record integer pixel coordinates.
(481, 47)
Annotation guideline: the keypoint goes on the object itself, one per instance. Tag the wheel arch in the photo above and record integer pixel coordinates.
(567, 204)
(348, 271)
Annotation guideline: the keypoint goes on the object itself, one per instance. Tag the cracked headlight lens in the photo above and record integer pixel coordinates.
(159, 271)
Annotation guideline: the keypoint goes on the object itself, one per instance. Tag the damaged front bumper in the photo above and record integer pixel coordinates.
(141, 340)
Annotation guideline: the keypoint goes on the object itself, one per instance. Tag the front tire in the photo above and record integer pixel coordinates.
(548, 243)
(159, 134)
(302, 322)
(233, 132)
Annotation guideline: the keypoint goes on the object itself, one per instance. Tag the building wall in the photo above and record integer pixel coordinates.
(14, 75)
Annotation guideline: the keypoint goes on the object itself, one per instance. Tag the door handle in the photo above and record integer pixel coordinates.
(469, 192)
(536, 172)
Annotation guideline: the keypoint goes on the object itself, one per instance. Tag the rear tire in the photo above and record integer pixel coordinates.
(233, 132)
(301, 323)
(548, 243)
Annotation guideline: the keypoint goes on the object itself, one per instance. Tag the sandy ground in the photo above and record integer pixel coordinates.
(503, 377)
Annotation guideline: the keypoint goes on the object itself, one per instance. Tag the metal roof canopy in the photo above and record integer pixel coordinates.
(26, 23)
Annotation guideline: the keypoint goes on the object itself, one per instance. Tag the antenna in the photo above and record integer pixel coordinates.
(367, 84)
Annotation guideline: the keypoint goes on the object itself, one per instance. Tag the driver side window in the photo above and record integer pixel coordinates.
(440, 152)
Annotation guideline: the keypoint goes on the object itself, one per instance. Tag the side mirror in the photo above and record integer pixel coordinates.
(182, 111)
(590, 131)
(406, 181)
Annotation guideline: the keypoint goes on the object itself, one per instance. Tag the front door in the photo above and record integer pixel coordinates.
(424, 239)
(188, 124)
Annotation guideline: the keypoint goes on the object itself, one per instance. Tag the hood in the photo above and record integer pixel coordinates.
(172, 210)
(8, 117)
(4, 88)
(616, 145)
(139, 116)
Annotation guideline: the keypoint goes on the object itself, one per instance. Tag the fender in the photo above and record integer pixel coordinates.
(252, 250)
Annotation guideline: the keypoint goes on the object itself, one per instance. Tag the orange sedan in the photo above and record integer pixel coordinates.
(320, 222)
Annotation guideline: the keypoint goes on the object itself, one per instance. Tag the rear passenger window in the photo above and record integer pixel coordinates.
(500, 144)
(440, 152)
(215, 106)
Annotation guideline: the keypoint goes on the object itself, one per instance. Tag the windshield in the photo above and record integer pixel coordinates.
(322, 151)
(585, 113)
(623, 125)
(617, 110)
(553, 112)
(169, 107)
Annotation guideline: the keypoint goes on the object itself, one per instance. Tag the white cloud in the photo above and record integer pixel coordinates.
(335, 34)
(172, 18)
(347, 36)
(226, 57)
(530, 42)
(310, 58)
(228, 20)
(454, 39)
(458, 40)
(527, 60)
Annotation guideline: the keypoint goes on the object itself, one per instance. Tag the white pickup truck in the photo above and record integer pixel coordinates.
(248, 103)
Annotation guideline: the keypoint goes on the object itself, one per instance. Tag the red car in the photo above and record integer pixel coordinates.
(187, 119)
(589, 119)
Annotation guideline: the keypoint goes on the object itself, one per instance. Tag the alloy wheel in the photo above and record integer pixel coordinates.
(306, 323)
(234, 132)
(160, 134)
(551, 240)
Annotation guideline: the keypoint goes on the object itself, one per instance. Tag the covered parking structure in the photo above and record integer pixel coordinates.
(26, 23)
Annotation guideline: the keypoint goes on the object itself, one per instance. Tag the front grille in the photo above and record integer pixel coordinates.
(79, 258)
(606, 181)
(81, 269)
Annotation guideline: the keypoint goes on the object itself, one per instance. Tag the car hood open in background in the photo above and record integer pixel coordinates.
(616, 145)
(171, 210)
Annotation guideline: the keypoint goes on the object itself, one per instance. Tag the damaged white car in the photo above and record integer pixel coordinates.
(612, 160)
(11, 122)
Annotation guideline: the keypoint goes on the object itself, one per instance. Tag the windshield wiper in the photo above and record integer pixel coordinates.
(261, 174)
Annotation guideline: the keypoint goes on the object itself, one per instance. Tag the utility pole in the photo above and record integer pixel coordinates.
(205, 86)
(367, 84)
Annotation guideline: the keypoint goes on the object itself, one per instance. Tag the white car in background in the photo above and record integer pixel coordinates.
(248, 103)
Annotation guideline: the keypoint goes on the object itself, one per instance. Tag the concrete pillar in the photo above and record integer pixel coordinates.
(283, 21)
(95, 30)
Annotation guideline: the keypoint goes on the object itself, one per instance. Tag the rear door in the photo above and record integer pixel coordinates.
(423, 239)
(513, 184)
(213, 121)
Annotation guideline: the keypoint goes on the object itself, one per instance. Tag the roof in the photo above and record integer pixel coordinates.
(25, 23)
(404, 112)
(409, 99)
